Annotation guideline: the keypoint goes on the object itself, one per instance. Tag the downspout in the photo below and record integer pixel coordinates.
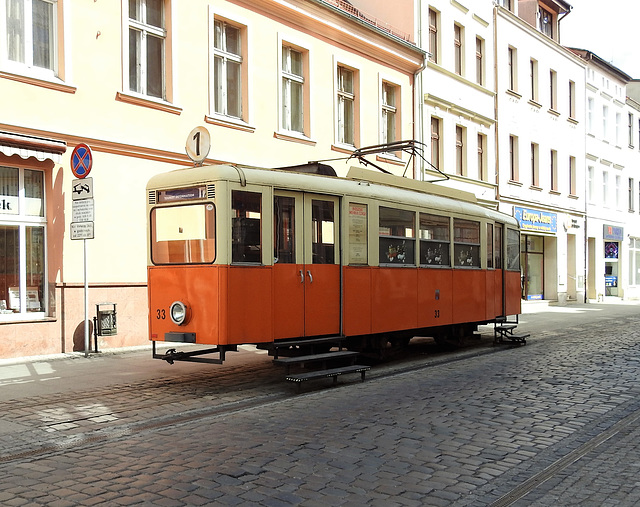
(495, 102)
(418, 100)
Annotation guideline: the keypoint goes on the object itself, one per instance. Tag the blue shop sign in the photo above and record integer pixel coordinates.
(536, 220)
(613, 233)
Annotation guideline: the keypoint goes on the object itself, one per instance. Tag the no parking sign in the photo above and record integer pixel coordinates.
(81, 161)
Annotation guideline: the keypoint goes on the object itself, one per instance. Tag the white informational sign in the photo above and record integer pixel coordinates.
(82, 230)
(82, 189)
(82, 211)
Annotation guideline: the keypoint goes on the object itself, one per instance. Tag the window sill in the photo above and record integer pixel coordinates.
(553, 112)
(229, 122)
(536, 188)
(572, 120)
(515, 183)
(514, 93)
(151, 103)
(554, 192)
(535, 104)
(390, 158)
(347, 149)
(574, 196)
(295, 137)
(51, 84)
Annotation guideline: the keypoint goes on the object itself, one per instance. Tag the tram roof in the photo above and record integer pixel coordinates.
(359, 182)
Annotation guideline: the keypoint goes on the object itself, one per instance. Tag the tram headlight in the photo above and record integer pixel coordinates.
(178, 312)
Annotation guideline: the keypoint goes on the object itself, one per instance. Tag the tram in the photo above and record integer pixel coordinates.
(244, 255)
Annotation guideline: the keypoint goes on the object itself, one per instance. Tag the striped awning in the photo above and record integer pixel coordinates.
(30, 146)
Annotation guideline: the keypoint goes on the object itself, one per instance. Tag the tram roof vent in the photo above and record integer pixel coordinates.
(310, 168)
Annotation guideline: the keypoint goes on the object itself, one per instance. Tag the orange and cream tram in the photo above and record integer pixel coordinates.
(242, 255)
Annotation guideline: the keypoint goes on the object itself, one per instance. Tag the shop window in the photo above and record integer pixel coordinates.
(246, 227)
(22, 242)
(466, 243)
(434, 240)
(397, 236)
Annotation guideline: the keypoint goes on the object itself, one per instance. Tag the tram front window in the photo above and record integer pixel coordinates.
(183, 234)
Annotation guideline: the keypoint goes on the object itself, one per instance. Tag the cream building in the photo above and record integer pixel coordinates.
(275, 82)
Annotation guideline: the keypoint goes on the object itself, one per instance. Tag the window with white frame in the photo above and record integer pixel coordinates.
(293, 83)
(605, 187)
(553, 90)
(632, 193)
(590, 110)
(512, 60)
(573, 179)
(513, 159)
(147, 41)
(346, 102)
(482, 158)
(461, 158)
(535, 165)
(29, 28)
(479, 61)
(458, 49)
(572, 99)
(436, 141)
(618, 193)
(22, 243)
(533, 74)
(554, 170)
(389, 112)
(634, 261)
(590, 183)
(605, 123)
(618, 129)
(630, 129)
(434, 22)
(227, 69)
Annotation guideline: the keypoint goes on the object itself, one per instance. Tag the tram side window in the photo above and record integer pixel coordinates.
(466, 243)
(513, 250)
(323, 239)
(489, 245)
(498, 247)
(397, 236)
(183, 234)
(434, 240)
(246, 236)
(284, 230)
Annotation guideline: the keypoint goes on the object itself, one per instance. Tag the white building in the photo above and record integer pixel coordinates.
(540, 146)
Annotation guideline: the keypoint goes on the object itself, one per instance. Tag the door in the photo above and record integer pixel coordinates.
(306, 265)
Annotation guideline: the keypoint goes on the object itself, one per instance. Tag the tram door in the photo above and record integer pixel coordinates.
(306, 266)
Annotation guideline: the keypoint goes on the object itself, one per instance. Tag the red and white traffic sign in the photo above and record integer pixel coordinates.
(81, 161)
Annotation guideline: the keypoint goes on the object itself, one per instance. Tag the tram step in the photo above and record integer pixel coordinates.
(332, 372)
(505, 327)
(513, 337)
(331, 340)
(339, 354)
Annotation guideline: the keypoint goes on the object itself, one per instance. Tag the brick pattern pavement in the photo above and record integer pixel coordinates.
(463, 434)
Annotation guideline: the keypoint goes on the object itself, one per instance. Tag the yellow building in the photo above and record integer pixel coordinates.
(275, 82)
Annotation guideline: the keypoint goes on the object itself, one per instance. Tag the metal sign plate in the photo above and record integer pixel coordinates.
(82, 230)
(82, 189)
(82, 211)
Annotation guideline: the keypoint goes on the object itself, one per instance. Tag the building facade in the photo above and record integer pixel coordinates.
(276, 83)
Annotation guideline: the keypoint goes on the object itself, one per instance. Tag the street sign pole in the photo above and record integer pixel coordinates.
(81, 163)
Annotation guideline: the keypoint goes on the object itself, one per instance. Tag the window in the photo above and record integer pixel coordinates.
(630, 128)
(498, 246)
(590, 110)
(505, 3)
(458, 49)
(573, 181)
(618, 193)
(545, 22)
(434, 240)
(634, 261)
(482, 158)
(436, 141)
(618, 129)
(284, 242)
(513, 250)
(147, 39)
(183, 234)
(397, 236)
(513, 159)
(533, 72)
(590, 183)
(466, 243)
(512, 58)
(605, 187)
(553, 90)
(605, 123)
(22, 242)
(346, 106)
(434, 19)
(227, 69)
(553, 166)
(535, 165)
(389, 113)
(489, 245)
(294, 90)
(479, 61)
(246, 227)
(461, 163)
(323, 232)
(572, 99)
(632, 193)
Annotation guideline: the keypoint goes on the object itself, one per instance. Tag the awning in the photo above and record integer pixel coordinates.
(30, 146)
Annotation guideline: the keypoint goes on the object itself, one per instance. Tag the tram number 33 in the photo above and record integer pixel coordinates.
(436, 314)
(161, 314)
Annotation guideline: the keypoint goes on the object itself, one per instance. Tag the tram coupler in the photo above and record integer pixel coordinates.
(193, 356)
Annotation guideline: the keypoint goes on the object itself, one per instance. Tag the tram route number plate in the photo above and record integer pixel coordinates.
(81, 230)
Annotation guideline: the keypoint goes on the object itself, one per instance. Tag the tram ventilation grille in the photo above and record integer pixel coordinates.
(152, 196)
(211, 191)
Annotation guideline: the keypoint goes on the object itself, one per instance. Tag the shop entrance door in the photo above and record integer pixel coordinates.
(532, 249)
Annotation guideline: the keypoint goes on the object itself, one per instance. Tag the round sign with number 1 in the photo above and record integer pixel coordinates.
(198, 144)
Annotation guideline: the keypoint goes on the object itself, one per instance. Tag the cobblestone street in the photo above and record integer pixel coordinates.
(552, 423)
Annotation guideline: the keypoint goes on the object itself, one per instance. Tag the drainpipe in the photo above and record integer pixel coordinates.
(495, 101)
(418, 99)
